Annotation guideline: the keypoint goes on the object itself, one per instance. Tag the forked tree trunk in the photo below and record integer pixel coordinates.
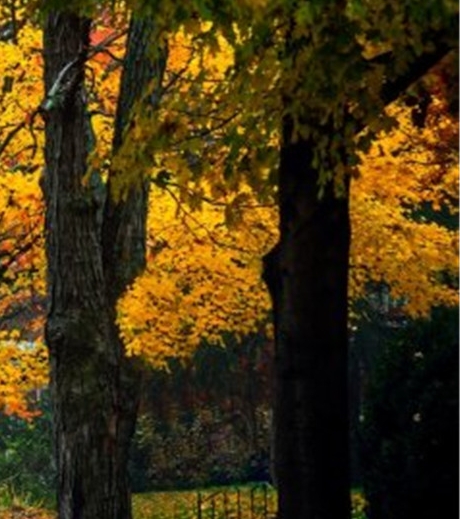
(95, 389)
(307, 276)
(78, 328)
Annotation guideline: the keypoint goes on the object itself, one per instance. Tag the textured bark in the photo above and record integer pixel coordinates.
(124, 226)
(94, 387)
(83, 363)
(307, 277)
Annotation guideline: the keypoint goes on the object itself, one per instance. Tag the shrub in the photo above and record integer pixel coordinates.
(193, 451)
(26, 464)
(410, 428)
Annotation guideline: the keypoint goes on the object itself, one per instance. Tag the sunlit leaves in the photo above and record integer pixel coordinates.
(20, 95)
(397, 208)
(21, 244)
(24, 370)
(200, 132)
(211, 149)
(202, 281)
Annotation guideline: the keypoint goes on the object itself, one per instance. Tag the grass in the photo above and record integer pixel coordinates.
(253, 501)
(184, 504)
(23, 505)
(358, 505)
(216, 503)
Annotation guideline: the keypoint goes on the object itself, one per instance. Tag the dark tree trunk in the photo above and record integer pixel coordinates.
(78, 328)
(95, 388)
(307, 276)
(124, 225)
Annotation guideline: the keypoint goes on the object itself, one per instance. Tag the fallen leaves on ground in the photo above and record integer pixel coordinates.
(26, 513)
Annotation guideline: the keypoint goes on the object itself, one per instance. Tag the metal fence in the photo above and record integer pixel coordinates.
(253, 503)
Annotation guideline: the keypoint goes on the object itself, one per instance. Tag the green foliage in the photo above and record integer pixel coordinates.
(410, 428)
(206, 421)
(26, 468)
(195, 450)
(329, 67)
(12, 498)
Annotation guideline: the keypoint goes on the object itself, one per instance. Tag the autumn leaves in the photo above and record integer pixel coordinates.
(212, 205)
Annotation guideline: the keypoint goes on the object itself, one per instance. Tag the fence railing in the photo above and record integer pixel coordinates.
(258, 502)
(247, 502)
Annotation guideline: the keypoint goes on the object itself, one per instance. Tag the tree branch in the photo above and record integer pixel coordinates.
(11, 134)
(391, 90)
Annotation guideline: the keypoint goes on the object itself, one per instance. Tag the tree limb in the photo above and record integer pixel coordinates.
(391, 90)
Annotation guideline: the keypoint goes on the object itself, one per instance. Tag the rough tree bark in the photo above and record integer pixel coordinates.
(77, 332)
(124, 227)
(94, 387)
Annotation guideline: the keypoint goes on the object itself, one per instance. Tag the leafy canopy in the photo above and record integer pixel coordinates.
(210, 150)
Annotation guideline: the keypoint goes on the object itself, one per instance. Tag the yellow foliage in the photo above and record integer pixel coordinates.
(400, 179)
(202, 281)
(22, 92)
(203, 275)
(191, 59)
(22, 255)
(24, 370)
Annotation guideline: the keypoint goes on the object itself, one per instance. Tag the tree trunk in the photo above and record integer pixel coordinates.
(124, 227)
(95, 388)
(307, 275)
(78, 329)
